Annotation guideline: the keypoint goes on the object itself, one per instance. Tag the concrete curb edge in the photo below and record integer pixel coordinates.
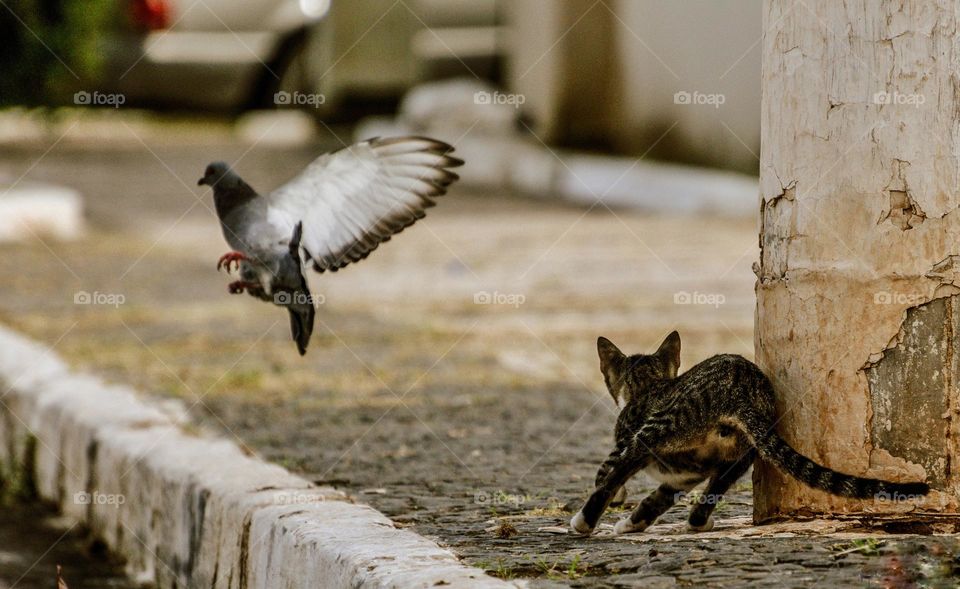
(193, 511)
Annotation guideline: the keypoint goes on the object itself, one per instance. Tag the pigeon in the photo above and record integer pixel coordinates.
(336, 212)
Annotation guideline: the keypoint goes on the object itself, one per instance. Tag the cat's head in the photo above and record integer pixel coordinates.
(627, 376)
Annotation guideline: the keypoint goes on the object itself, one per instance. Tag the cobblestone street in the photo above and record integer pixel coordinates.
(452, 381)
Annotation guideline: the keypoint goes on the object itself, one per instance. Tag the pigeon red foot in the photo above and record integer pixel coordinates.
(231, 258)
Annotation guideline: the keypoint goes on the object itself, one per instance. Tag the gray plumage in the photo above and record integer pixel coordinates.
(336, 212)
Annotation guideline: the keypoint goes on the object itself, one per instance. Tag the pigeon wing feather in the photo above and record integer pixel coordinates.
(352, 200)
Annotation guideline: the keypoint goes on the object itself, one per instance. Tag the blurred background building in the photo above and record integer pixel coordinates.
(606, 75)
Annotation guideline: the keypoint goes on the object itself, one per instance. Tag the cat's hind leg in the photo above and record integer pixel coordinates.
(652, 507)
(701, 518)
(620, 496)
(619, 470)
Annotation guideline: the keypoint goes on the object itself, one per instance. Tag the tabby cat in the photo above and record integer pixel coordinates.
(708, 423)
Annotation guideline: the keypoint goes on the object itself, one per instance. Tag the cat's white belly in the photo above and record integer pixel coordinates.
(683, 480)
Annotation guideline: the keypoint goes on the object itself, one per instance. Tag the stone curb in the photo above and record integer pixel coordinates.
(193, 511)
(29, 209)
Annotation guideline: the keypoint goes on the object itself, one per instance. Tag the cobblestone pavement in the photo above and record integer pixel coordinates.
(452, 381)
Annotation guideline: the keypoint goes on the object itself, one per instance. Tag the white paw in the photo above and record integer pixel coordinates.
(625, 526)
(706, 527)
(579, 524)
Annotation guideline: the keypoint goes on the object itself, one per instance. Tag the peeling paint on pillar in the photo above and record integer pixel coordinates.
(912, 389)
(858, 281)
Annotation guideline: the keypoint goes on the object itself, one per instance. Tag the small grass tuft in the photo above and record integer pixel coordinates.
(506, 530)
(864, 546)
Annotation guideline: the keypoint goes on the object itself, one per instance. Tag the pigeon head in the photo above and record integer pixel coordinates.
(218, 173)
(229, 189)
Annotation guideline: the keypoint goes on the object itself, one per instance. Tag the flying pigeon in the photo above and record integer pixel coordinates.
(337, 211)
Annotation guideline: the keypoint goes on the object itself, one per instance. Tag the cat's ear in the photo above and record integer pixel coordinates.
(611, 360)
(608, 352)
(669, 353)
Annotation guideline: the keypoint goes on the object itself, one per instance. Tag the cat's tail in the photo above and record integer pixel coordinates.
(776, 450)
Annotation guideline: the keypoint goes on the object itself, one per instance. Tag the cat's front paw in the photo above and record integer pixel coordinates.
(704, 527)
(626, 526)
(579, 524)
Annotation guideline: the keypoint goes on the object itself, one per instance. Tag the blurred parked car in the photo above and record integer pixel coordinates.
(209, 53)
(235, 54)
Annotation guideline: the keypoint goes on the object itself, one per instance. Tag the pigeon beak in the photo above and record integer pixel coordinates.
(201, 181)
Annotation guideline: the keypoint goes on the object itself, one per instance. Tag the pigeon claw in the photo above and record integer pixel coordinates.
(230, 258)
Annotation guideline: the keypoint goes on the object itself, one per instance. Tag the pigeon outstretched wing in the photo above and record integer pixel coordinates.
(352, 200)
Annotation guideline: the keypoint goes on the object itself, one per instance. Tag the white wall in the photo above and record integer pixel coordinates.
(653, 49)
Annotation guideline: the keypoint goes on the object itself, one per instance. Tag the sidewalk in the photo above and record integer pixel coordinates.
(452, 381)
